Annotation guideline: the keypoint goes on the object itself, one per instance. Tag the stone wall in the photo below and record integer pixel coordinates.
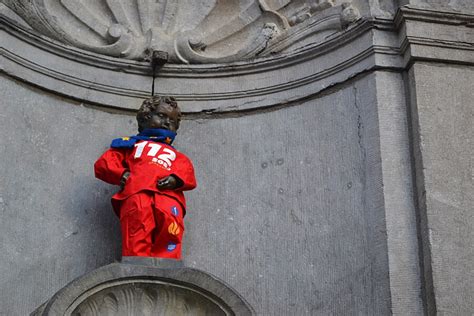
(442, 119)
(271, 196)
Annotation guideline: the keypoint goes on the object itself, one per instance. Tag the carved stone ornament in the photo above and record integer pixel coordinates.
(208, 31)
(137, 289)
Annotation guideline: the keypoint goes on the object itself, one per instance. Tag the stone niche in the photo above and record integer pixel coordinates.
(345, 122)
(145, 286)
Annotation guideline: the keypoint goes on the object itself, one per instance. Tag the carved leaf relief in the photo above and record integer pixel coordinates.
(147, 299)
(208, 31)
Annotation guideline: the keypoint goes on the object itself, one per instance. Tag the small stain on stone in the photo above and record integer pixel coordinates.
(280, 190)
(280, 161)
(264, 165)
(349, 185)
(295, 218)
(130, 121)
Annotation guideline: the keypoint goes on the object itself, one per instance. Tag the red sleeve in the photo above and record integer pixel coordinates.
(185, 172)
(111, 166)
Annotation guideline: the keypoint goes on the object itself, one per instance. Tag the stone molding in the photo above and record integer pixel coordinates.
(445, 5)
(378, 43)
(141, 287)
(229, 30)
(242, 85)
(449, 37)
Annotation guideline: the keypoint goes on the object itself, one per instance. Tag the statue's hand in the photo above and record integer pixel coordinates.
(168, 183)
(124, 179)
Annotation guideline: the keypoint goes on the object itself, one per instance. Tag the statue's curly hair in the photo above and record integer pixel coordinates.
(153, 102)
(158, 99)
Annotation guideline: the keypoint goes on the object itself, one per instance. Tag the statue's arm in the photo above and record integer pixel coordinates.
(111, 166)
(185, 174)
(182, 177)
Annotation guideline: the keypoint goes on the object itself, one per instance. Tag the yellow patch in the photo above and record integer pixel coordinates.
(125, 138)
(174, 229)
(168, 140)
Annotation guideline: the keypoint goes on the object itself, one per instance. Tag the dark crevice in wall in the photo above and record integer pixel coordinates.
(360, 126)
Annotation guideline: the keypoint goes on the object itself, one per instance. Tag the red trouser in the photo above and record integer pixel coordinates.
(152, 225)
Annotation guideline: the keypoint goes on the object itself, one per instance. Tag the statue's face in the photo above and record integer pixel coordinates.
(164, 116)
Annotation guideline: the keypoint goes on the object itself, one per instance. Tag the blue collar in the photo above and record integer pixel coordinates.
(151, 134)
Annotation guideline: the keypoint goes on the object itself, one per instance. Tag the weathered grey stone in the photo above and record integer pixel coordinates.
(433, 35)
(220, 31)
(383, 8)
(136, 289)
(244, 85)
(247, 222)
(54, 217)
(309, 164)
(153, 262)
(259, 83)
(298, 193)
(8, 13)
(443, 133)
(398, 200)
(442, 5)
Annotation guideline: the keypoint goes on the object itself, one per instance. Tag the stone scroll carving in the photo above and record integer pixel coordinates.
(209, 31)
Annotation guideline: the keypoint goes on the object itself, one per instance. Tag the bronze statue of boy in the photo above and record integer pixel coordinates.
(152, 175)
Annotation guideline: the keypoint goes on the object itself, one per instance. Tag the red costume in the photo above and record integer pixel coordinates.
(151, 219)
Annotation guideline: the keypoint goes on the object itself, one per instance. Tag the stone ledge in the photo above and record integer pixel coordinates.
(146, 286)
(154, 262)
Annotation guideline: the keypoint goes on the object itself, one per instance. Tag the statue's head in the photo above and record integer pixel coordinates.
(159, 112)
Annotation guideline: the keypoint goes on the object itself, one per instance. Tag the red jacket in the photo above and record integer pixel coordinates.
(147, 161)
